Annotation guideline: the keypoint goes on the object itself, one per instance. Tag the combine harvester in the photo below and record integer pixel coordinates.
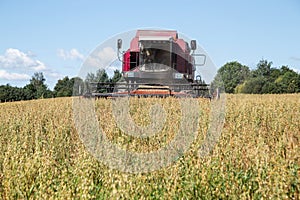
(157, 64)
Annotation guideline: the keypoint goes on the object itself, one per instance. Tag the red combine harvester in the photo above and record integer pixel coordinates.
(159, 64)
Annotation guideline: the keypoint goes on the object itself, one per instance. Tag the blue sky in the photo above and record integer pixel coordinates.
(55, 37)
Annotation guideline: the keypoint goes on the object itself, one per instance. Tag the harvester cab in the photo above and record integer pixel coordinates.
(158, 63)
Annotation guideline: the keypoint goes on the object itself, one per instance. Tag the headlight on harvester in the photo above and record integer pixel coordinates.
(129, 74)
(178, 76)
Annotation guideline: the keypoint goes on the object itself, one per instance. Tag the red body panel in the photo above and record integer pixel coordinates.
(182, 62)
(126, 61)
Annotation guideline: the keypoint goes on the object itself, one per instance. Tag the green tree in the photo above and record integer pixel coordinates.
(266, 79)
(289, 82)
(37, 87)
(100, 76)
(117, 76)
(94, 82)
(10, 93)
(64, 87)
(253, 85)
(231, 75)
(262, 79)
(67, 87)
(285, 69)
(90, 77)
(263, 69)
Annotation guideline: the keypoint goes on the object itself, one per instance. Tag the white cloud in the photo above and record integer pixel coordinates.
(40, 66)
(101, 58)
(73, 54)
(107, 54)
(54, 75)
(13, 76)
(14, 58)
(16, 67)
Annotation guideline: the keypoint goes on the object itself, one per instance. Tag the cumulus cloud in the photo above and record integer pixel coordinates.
(14, 58)
(13, 76)
(17, 67)
(101, 58)
(54, 74)
(73, 54)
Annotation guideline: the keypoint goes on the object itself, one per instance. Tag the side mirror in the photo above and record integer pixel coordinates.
(119, 43)
(193, 44)
(141, 48)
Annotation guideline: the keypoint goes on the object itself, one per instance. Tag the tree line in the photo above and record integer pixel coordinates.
(233, 77)
(65, 87)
